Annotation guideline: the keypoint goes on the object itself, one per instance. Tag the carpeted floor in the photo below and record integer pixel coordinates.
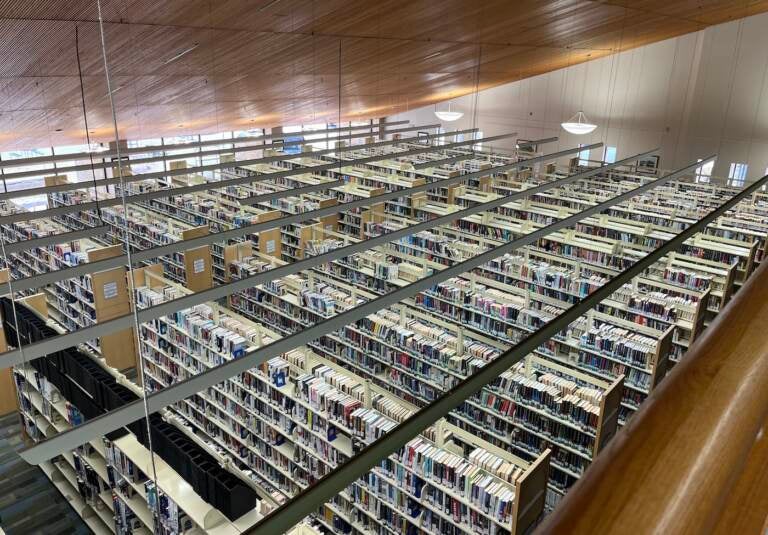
(29, 503)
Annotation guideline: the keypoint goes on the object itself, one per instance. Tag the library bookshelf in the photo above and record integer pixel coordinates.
(115, 484)
(295, 418)
(283, 425)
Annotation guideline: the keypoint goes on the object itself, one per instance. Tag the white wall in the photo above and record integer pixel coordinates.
(695, 95)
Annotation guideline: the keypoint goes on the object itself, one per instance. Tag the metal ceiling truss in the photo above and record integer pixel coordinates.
(309, 500)
(126, 179)
(172, 394)
(199, 154)
(44, 279)
(472, 154)
(36, 160)
(206, 186)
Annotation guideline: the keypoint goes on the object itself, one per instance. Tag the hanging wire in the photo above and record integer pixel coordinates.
(127, 238)
(547, 108)
(85, 121)
(731, 84)
(613, 80)
(757, 117)
(632, 58)
(667, 111)
(214, 85)
(565, 82)
(683, 134)
(338, 120)
(476, 96)
(314, 75)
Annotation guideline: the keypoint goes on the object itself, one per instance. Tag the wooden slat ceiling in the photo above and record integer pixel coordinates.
(259, 63)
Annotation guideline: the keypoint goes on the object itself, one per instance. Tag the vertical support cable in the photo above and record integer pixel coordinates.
(127, 238)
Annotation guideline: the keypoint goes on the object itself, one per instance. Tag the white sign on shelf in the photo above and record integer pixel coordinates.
(110, 290)
(198, 265)
(270, 246)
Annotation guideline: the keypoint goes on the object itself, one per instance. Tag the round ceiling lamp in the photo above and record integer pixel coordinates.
(448, 115)
(578, 124)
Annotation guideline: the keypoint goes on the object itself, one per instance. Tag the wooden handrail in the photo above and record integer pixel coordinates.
(747, 508)
(694, 446)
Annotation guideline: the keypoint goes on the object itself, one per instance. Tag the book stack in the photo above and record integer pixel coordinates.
(558, 396)
(247, 266)
(326, 399)
(89, 484)
(370, 424)
(169, 519)
(495, 465)
(323, 304)
(294, 205)
(390, 408)
(580, 253)
(341, 381)
(316, 247)
(276, 370)
(122, 464)
(689, 279)
(447, 471)
(126, 521)
(620, 343)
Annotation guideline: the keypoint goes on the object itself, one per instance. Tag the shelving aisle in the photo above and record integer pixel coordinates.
(111, 482)
(30, 501)
(287, 423)
(294, 418)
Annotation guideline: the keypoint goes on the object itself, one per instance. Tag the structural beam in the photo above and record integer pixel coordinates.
(323, 490)
(129, 413)
(199, 154)
(45, 279)
(126, 179)
(527, 143)
(444, 161)
(37, 160)
(170, 192)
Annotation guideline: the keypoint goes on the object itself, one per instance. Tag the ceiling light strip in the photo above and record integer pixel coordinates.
(214, 167)
(179, 146)
(44, 279)
(199, 154)
(156, 401)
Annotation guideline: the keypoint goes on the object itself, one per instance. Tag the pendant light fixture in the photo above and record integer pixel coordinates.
(578, 124)
(448, 115)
